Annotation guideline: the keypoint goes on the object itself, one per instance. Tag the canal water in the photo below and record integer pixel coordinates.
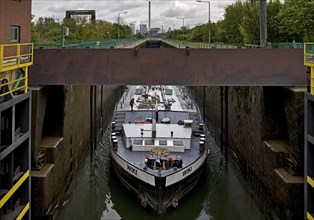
(96, 193)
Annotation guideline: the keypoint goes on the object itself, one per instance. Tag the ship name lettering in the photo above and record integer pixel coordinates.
(131, 169)
(187, 171)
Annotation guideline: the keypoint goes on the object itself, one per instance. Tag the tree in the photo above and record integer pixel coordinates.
(220, 32)
(196, 34)
(48, 30)
(249, 28)
(125, 31)
(232, 21)
(105, 29)
(34, 33)
(297, 20)
(273, 22)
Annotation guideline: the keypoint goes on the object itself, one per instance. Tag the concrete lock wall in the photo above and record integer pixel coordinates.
(265, 127)
(61, 121)
(265, 135)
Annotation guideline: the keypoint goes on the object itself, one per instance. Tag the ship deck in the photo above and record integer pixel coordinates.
(180, 110)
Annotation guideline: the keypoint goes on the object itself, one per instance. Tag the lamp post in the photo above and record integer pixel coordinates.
(65, 33)
(208, 19)
(119, 23)
(182, 20)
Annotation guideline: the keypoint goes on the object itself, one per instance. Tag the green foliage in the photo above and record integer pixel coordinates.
(297, 19)
(197, 34)
(34, 33)
(233, 19)
(220, 33)
(288, 21)
(274, 23)
(138, 36)
(47, 30)
(249, 28)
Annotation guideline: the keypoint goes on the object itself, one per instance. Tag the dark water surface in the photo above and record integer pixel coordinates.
(96, 193)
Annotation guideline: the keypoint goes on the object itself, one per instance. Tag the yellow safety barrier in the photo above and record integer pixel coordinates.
(14, 188)
(310, 181)
(14, 56)
(23, 212)
(309, 61)
(309, 216)
(18, 81)
(309, 54)
(312, 80)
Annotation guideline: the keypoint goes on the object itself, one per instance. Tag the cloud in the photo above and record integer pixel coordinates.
(163, 12)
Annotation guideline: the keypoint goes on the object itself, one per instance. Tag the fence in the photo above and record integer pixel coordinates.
(86, 44)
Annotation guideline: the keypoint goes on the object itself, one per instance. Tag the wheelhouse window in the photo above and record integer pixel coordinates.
(149, 142)
(163, 142)
(138, 91)
(14, 34)
(137, 142)
(178, 143)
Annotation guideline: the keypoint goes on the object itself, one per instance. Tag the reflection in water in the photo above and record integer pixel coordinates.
(110, 212)
(96, 193)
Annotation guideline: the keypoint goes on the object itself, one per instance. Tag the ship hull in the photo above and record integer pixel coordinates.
(158, 147)
(159, 197)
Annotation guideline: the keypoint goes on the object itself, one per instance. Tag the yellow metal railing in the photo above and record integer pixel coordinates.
(309, 54)
(23, 212)
(309, 216)
(309, 61)
(14, 188)
(14, 56)
(310, 181)
(19, 84)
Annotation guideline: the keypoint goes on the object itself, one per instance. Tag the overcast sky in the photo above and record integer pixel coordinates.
(163, 12)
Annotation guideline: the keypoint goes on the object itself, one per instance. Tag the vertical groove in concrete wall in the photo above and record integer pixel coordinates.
(65, 123)
(265, 129)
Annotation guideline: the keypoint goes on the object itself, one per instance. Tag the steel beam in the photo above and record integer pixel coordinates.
(191, 67)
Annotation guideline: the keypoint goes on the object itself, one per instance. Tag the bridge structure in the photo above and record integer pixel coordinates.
(169, 65)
